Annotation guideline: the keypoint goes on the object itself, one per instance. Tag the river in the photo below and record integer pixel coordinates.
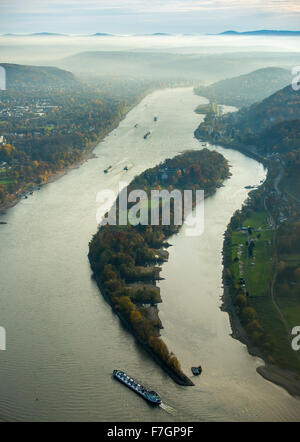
(63, 341)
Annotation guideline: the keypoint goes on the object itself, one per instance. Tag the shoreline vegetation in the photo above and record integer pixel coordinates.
(48, 129)
(258, 260)
(83, 156)
(126, 259)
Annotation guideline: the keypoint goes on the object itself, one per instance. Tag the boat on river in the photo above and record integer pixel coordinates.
(196, 370)
(108, 169)
(150, 396)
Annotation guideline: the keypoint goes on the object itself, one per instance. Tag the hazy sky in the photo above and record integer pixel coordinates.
(147, 16)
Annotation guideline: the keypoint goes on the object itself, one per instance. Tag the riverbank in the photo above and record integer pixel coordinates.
(87, 155)
(242, 149)
(284, 378)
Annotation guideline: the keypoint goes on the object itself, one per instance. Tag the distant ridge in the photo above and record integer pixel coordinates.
(36, 34)
(263, 32)
(23, 77)
(247, 89)
(46, 34)
(158, 34)
(155, 34)
(101, 34)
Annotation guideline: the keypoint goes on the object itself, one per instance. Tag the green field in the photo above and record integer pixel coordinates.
(283, 355)
(260, 265)
(257, 220)
(260, 272)
(238, 244)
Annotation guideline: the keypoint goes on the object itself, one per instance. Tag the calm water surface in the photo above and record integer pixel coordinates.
(63, 341)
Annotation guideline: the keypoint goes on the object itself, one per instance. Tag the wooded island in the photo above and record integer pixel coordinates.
(125, 259)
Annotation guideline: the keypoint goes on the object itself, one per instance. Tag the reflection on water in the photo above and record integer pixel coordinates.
(168, 409)
(63, 341)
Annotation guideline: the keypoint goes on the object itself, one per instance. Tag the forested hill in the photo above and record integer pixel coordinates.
(247, 89)
(20, 77)
(281, 106)
(270, 126)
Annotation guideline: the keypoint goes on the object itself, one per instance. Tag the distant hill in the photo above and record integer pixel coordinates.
(36, 34)
(38, 77)
(272, 125)
(101, 34)
(46, 34)
(282, 106)
(263, 32)
(248, 88)
(172, 65)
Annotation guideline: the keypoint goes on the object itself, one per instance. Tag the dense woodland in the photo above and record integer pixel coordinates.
(270, 125)
(124, 259)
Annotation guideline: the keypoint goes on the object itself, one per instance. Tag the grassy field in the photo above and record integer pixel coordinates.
(257, 220)
(260, 273)
(260, 265)
(238, 250)
(283, 355)
(290, 303)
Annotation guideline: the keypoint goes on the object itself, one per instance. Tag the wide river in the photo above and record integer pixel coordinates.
(63, 341)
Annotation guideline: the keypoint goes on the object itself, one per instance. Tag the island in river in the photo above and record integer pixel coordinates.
(125, 259)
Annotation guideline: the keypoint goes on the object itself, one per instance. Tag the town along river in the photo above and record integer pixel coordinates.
(63, 340)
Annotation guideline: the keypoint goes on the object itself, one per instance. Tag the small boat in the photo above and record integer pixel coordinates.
(108, 169)
(196, 370)
(150, 396)
(147, 135)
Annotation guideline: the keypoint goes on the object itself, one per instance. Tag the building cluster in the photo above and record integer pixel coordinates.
(33, 107)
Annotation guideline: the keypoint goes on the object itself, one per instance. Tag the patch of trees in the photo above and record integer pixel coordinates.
(49, 130)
